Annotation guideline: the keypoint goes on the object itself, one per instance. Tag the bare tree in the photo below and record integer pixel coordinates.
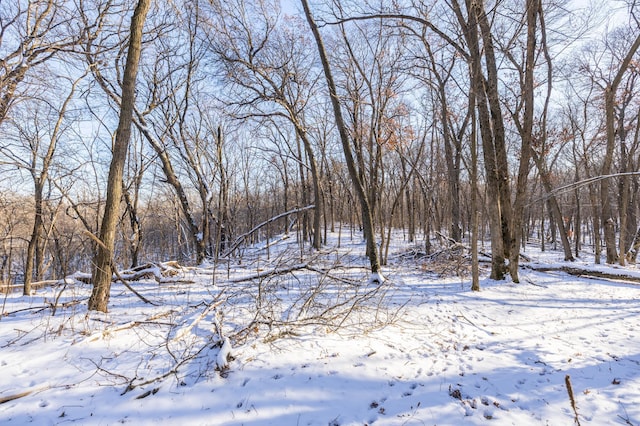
(538, 144)
(611, 104)
(138, 162)
(609, 77)
(269, 73)
(476, 29)
(366, 210)
(452, 137)
(522, 112)
(39, 168)
(30, 35)
(373, 84)
(102, 273)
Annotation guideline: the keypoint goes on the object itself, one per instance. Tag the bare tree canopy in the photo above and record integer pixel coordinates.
(504, 123)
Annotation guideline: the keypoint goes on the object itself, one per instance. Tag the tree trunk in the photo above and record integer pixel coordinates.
(34, 241)
(499, 146)
(224, 236)
(316, 241)
(367, 219)
(577, 224)
(527, 139)
(606, 200)
(610, 237)
(597, 240)
(135, 241)
(624, 199)
(490, 127)
(104, 257)
(475, 213)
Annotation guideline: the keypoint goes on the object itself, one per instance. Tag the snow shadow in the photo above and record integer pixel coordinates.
(385, 391)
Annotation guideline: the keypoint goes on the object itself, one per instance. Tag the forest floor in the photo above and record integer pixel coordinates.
(291, 338)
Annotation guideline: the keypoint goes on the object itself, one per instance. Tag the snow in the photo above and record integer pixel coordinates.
(376, 278)
(420, 350)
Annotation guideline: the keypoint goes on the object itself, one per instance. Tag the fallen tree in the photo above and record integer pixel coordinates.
(584, 272)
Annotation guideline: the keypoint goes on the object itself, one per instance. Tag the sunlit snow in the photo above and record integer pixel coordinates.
(423, 349)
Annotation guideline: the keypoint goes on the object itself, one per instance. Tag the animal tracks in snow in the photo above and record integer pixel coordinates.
(450, 356)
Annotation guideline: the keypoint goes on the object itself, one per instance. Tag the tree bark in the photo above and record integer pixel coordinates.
(34, 241)
(102, 273)
(475, 212)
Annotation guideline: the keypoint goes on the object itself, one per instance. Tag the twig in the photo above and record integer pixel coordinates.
(567, 381)
(195, 322)
(530, 281)
(173, 370)
(127, 285)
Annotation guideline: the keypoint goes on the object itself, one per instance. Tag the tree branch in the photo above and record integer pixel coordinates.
(244, 236)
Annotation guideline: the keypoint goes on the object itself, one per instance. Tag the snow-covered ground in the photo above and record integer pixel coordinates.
(422, 349)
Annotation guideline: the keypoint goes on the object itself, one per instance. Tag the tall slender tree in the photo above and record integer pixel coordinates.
(40, 177)
(103, 261)
(367, 217)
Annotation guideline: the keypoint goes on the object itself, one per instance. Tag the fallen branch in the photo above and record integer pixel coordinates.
(273, 272)
(115, 270)
(578, 272)
(244, 236)
(181, 333)
(157, 271)
(332, 276)
(41, 308)
(8, 288)
(15, 396)
(44, 283)
(127, 285)
(530, 281)
(449, 239)
(173, 370)
(129, 325)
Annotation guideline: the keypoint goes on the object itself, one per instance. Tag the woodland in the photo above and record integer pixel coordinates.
(319, 212)
(134, 134)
